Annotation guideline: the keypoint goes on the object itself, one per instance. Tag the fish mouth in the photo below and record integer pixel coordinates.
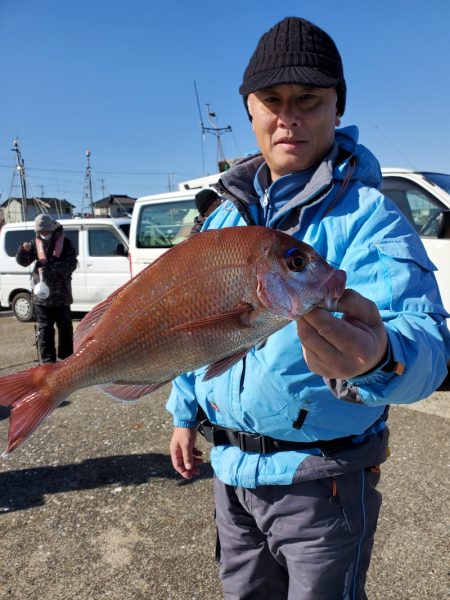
(333, 289)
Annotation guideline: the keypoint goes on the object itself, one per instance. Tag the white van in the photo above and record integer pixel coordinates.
(163, 220)
(159, 222)
(102, 253)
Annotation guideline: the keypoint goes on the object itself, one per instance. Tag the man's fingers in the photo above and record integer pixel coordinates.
(327, 333)
(355, 306)
(347, 346)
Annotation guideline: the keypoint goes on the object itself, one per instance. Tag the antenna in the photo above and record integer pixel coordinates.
(102, 181)
(214, 129)
(87, 193)
(23, 184)
(413, 167)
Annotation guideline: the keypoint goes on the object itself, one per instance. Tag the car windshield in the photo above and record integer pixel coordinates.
(163, 225)
(440, 179)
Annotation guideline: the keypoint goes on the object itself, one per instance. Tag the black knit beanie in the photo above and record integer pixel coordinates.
(204, 199)
(295, 51)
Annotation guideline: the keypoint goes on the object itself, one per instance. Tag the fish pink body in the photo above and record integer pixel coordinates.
(207, 301)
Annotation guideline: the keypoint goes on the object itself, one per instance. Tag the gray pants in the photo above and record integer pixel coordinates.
(307, 541)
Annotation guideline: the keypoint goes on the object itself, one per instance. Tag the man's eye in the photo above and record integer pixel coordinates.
(271, 99)
(307, 98)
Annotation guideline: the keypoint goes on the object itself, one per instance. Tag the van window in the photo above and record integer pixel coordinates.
(125, 228)
(72, 235)
(14, 238)
(421, 208)
(165, 224)
(102, 242)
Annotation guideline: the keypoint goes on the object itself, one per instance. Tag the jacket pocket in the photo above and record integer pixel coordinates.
(409, 276)
(360, 501)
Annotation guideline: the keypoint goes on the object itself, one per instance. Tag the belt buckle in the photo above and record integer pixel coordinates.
(253, 442)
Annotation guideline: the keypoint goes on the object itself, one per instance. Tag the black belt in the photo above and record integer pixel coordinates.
(263, 444)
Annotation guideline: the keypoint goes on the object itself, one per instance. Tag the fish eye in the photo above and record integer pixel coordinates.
(296, 260)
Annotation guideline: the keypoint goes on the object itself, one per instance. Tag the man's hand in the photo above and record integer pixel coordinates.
(343, 348)
(186, 458)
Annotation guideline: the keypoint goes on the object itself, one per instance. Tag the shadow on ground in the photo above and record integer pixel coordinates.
(26, 488)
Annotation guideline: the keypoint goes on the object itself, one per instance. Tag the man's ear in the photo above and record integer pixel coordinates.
(338, 120)
(249, 113)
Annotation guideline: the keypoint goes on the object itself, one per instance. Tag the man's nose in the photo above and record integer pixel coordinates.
(289, 115)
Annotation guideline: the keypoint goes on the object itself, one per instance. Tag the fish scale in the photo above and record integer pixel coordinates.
(205, 302)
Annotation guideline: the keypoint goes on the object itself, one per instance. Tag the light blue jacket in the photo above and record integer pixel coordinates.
(347, 220)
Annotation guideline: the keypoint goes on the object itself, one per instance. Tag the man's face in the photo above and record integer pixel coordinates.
(294, 125)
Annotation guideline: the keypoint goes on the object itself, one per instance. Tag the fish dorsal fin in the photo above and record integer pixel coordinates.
(224, 364)
(88, 322)
(129, 392)
(243, 311)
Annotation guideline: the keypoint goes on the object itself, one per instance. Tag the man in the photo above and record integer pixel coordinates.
(299, 425)
(55, 259)
(206, 201)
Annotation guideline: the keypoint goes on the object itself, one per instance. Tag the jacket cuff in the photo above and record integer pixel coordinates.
(349, 391)
(182, 423)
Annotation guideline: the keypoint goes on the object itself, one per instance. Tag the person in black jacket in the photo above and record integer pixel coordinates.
(55, 259)
(207, 201)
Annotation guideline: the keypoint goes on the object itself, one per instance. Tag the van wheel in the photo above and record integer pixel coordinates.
(22, 307)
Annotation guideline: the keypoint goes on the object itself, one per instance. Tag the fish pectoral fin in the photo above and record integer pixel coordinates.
(243, 311)
(224, 364)
(129, 392)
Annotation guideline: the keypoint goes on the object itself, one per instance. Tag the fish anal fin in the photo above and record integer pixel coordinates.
(224, 364)
(243, 311)
(129, 392)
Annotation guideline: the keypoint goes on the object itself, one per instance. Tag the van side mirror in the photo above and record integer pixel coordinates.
(120, 250)
(443, 228)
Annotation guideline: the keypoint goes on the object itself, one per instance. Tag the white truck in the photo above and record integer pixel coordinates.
(102, 253)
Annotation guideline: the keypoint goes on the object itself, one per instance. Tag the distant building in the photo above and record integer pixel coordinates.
(13, 211)
(114, 206)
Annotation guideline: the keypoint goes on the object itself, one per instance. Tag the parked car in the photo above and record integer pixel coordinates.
(424, 198)
(102, 253)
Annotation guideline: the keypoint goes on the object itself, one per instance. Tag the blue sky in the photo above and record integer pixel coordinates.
(116, 77)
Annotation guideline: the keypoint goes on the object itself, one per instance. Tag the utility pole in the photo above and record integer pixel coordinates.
(87, 193)
(23, 184)
(102, 181)
(214, 129)
(217, 131)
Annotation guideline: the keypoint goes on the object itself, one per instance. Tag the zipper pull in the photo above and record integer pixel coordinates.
(266, 198)
(333, 498)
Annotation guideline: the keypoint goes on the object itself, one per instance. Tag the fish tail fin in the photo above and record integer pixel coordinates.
(30, 399)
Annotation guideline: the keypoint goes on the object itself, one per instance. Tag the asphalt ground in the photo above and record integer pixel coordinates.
(90, 507)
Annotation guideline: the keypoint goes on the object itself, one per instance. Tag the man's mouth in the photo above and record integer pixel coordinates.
(288, 140)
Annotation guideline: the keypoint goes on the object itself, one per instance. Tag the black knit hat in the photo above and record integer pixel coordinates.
(295, 51)
(204, 199)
